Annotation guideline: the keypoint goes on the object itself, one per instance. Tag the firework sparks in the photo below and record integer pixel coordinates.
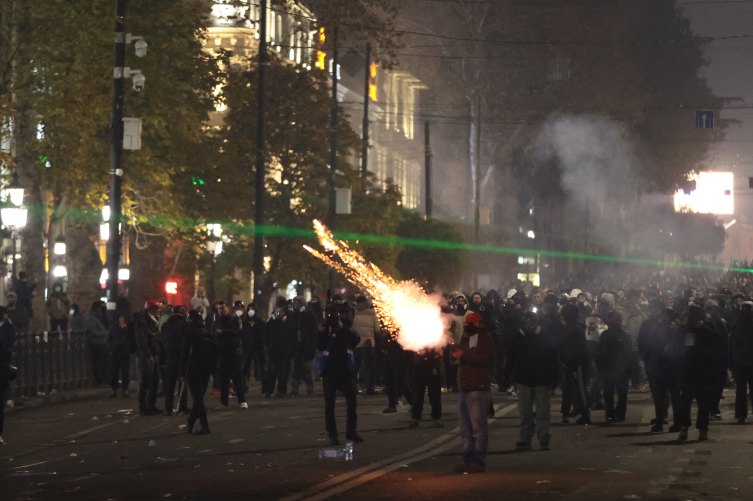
(412, 316)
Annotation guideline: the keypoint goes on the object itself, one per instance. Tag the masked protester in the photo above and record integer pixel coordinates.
(148, 352)
(426, 376)
(19, 316)
(227, 329)
(336, 340)
(614, 362)
(700, 372)
(741, 359)
(713, 315)
(475, 352)
(96, 335)
(171, 342)
(306, 327)
(635, 318)
(120, 357)
(532, 366)
(573, 354)
(281, 343)
(197, 361)
(58, 305)
(366, 325)
(252, 339)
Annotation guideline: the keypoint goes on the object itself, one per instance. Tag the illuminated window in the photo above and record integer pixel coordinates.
(320, 58)
(322, 37)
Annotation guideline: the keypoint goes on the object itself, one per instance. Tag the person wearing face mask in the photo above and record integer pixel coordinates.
(77, 319)
(701, 370)
(306, 327)
(613, 362)
(58, 304)
(714, 315)
(532, 366)
(227, 329)
(17, 315)
(252, 339)
(120, 357)
(171, 340)
(635, 317)
(281, 342)
(741, 359)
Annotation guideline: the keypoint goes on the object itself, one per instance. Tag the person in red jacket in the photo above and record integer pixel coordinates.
(476, 355)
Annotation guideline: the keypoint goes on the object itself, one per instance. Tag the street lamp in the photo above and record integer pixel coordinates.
(12, 214)
(59, 247)
(214, 247)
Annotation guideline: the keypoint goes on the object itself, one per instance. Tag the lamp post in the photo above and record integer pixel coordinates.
(12, 214)
(214, 247)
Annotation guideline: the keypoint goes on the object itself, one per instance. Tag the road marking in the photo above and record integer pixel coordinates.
(386, 465)
(96, 428)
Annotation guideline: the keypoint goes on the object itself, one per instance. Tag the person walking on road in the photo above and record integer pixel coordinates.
(252, 340)
(280, 341)
(96, 335)
(306, 327)
(700, 372)
(426, 377)
(148, 350)
(171, 339)
(227, 329)
(336, 340)
(614, 362)
(367, 327)
(120, 357)
(197, 361)
(741, 359)
(532, 366)
(475, 352)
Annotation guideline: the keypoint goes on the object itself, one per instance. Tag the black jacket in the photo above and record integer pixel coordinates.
(572, 348)
(117, 338)
(701, 364)
(171, 338)
(199, 350)
(281, 336)
(230, 339)
(306, 330)
(146, 336)
(741, 344)
(662, 348)
(531, 359)
(615, 348)
(252, 334)
(337, 363)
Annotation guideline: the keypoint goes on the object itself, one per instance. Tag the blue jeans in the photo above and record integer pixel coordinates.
(474, 429)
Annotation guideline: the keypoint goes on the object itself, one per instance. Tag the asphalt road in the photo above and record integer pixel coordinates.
(99, 450)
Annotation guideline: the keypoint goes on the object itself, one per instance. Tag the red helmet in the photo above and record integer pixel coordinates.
(474, 319)
(151, 304)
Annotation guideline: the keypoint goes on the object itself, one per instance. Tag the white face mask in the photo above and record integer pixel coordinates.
(302, 309)
(238, 313)
(71, 313)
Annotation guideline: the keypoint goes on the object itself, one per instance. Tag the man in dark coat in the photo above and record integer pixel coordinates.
(741, 359)
(306, 327)
(148, 351)
(171, 341)
(613, 362)
(700, 371)
(281, 343)
(532, 366)
(252, 339)
(714, 315)
(573, 354)
(227, 329)
(336, 340)
(197, 361)
(7, 340)
(120, 356)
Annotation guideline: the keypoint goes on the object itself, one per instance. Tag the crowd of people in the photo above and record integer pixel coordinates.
(593, 346)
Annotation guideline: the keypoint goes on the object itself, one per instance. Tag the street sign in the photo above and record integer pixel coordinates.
(704, 119)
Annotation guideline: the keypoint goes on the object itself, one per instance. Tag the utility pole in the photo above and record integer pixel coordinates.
(116, 162)
(332, 214)
(367, 81)
(477, 181)
(427, 169)
(260, 161)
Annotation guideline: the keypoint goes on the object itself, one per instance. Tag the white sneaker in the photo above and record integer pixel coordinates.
(244, 405)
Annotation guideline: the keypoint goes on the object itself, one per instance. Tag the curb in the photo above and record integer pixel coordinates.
(60, 397)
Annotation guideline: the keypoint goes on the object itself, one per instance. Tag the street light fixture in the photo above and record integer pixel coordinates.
(59, 271)
(59, 247)
(14, 191)
(12, 214)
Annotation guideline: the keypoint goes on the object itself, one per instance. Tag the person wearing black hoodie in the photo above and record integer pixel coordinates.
(613, 361)
(532, 366)
(120, 356)
(171, 340)
(336, 340)
(700, 372)
(227, 330)
(252, 339)
(573, 353)
(714, 315)
(197, 361)
(306, 328)
(281, 342)
(148, 351)
(741, 359)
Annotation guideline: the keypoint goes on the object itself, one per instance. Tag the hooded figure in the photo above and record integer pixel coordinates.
(281, 342)
(306, 327)
(573, 353)
(252, 340)
(613, 361)
(197, 361)
(741, 359)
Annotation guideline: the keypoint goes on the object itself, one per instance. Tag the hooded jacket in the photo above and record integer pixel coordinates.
(95, 329)
(475, 371)
(366, 325)
(531, 359)
(306, 328)
(701, 363)
(171, 337)
(146, 336)
(741, 344)
(615, 347)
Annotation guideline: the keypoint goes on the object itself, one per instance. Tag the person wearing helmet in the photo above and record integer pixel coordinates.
(171, 339)
(227, 329)
(475, 352)
(532, 366)
(148, 351)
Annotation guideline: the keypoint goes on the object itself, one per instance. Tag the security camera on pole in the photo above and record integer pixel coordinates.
(120, 73)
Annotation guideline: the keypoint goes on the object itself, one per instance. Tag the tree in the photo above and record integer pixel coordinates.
(430, 265)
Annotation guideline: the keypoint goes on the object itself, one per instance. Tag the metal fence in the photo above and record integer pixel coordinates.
(53, 361)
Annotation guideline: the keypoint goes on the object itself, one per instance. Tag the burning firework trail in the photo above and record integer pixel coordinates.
(411, 315)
